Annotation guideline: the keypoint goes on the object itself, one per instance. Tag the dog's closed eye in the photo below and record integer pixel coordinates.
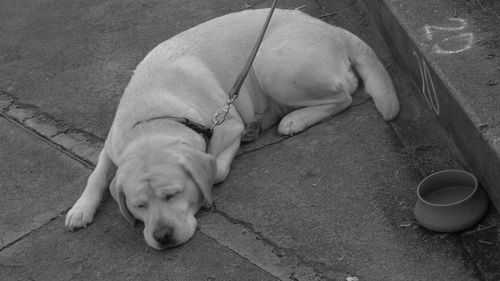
(141, 204)
(170, 196)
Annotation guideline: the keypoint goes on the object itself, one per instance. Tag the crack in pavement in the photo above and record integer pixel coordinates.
(283, 263)
(260, 147)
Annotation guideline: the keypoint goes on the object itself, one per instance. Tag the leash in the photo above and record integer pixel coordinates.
(220, 115)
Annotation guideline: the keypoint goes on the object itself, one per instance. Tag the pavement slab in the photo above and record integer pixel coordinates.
(84, 53)
(345, 210)
(110, 249)
(38, 182)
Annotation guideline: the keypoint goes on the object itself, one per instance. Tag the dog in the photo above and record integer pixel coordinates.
(160, 161)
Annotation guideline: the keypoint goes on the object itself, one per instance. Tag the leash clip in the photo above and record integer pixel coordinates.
(221, 114)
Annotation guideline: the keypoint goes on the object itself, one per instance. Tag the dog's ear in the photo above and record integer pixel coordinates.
(116, 191)
(202, 168)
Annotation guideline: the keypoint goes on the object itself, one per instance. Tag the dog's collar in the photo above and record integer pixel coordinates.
(204, 131)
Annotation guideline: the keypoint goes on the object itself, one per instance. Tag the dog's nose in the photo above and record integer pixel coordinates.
(163, 235)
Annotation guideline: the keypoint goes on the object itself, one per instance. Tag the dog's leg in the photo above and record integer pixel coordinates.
(224, 146)
(82, 212)
(225, 159)
(252, 132)
(301, 119)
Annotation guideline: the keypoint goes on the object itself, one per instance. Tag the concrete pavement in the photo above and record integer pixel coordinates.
(83, 53)
(38, 182)
(331, 203)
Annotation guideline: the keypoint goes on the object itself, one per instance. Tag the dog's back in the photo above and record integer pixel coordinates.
(300, 58)
(223, 45)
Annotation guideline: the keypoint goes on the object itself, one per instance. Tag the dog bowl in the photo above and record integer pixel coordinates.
(450, 200)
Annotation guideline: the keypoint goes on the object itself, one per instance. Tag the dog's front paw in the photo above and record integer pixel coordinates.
(290, 126)
(79, 216)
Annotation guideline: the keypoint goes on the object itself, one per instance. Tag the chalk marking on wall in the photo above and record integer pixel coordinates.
(429, 29)
(428, 89)
(466, 38)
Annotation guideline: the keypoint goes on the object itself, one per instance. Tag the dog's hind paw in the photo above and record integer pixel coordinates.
(290, 126)
(252, 131)
(79, 216)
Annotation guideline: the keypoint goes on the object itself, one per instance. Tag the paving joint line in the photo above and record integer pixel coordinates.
(27, 233)
(319, 269)
(237, 254)
(250, 227)
(84, 147)
(78, 144)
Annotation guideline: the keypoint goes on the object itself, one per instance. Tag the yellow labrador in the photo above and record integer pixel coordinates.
(158, 157)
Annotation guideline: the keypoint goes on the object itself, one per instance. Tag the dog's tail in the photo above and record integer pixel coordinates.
(376, 80)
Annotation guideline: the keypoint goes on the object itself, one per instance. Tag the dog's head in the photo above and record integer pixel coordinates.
(164, 188)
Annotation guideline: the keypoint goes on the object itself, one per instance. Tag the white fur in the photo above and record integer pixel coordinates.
(302, 74)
